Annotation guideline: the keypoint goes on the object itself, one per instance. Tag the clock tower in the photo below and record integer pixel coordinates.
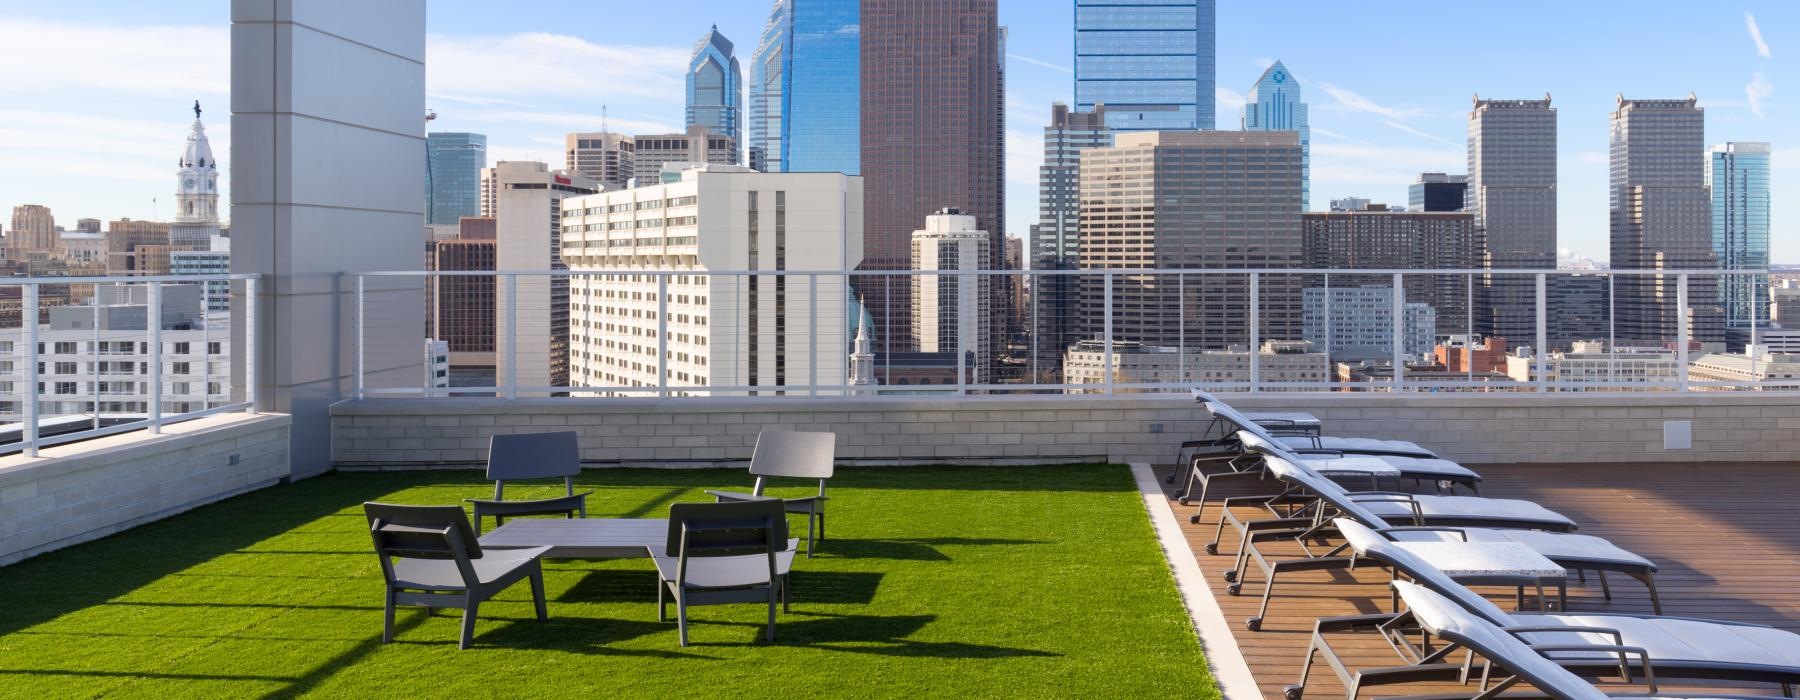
(196, 193)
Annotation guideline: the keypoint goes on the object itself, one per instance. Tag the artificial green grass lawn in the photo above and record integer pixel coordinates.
(940, 581)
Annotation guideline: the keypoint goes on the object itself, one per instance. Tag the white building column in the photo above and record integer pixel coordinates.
(327, 173)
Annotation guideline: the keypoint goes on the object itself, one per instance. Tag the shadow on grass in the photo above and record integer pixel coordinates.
(638, 586)
(884, 635)
(910, 549)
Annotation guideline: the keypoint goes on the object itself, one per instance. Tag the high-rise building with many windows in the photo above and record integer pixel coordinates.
(1056, 237)
(1661, 220)
(533, 311)
(1151, 62)
(1273, 104)
(1737, 177)
(601, 155)
(715, 88)
(453, 163)
(805, 104)
(1512, 193)
(1397, 240)
(33, 231)
(1438, 192)
(950, 312)
(699, 144)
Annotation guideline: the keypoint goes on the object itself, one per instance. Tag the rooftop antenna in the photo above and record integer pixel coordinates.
(603, 127)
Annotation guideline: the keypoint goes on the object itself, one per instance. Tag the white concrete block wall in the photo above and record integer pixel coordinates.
(1473, 429)
(86, 490)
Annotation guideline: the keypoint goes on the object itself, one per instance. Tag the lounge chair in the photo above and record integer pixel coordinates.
(734, 552)
(1222, 411)
(1680, 647)
(797, 455)
(532, 456)
(431, 557)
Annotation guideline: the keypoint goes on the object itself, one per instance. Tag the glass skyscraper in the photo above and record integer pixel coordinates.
(1273, 104)
(1151, 62)
(1737, 176)
(453, 163)
(806, 89)
(714, 85)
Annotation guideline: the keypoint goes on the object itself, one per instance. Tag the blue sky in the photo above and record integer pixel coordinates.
(98, 91)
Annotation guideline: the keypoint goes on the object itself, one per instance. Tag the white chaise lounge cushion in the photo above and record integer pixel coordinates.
(1674, 640)
(1225, 412)
(1355, 445)
(1421, 467)
(1467, 509)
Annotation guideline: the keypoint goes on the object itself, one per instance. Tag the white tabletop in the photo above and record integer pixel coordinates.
(1485, 559)
(583, 538)
(1350, 465)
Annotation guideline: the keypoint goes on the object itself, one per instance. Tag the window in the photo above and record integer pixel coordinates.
(182, 348)
(66, 388)
(180, 368)
(66, 368)
(214, 348)
(65, 348)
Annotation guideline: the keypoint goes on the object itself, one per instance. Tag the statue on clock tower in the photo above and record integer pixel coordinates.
(196, 192)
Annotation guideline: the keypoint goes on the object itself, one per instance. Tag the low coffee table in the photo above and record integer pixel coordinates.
(583, 538)
(1495, 563)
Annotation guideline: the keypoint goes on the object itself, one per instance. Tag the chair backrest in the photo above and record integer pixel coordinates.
(533, 456)
(421, 532)
(1446, 619)
(1371, 544)
(787, 453)
(1295, 471)
(732, 528)
(1223, 411)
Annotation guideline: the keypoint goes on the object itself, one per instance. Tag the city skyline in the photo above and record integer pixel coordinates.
(1380, 115)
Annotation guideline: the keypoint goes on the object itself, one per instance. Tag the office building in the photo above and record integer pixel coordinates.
(1376, 238)
(1273, 104)
(1786, 312)
(1774, 340)
(1357, 323)
(932, 138)
(1512, 193)
(1056, 237)
(767, 331)
(1579, 307)
(1757, 367)
(1461, 353)
(1152, 63)
(715, 88)
(453, 163)
(1590, 366)
(950, 312)
(137, 247)
(1661, 219)
(528, 232)
(215, 260)
(806, 89)
(87, 226)
(33, 231)
(84, 249)
(602, 156)
(196, 193)
(1276, 362)
(1737, 180)
(1200, 200)
(460, 309)
(1437, 192)
(699, 144)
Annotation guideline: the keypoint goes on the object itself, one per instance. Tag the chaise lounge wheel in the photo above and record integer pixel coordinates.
(1254, 623)
(1292, 692)
(1211, 548)
(1231, 576)
(1182, 499)
(1233, 589)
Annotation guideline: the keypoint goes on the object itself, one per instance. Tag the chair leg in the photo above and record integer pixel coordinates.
(468, 625)
(681, 616)
(821, 526)
(1655, 602)
(662, 602)
(387, 629)
(784, 593)
(773, 593)
(809, 532)
(537, 594)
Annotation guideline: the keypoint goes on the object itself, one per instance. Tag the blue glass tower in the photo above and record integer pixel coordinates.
(1738, 176)
(453, 163)
(806, 89)
(1151, 62)
(714, 83)
(1273, 104)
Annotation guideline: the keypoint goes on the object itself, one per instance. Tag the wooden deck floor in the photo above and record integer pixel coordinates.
(1724, 536)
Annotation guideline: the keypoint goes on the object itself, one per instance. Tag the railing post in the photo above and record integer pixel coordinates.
(1255, 331)
(1468, 330)
(1181, 327)
(1106, 365)
(812, 334)
(662, 335)
(1399, 308)
(249, 349)
(1612, 328)
(511, 389)
(1543, 335)
(32, 390)
(156, 369)
(360, 315)
(1681, 324)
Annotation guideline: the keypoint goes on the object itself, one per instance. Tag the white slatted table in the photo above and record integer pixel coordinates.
(1495, 563)
(583, 538)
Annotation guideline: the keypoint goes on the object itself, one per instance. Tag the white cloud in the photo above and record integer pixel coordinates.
(57, 60)
(544, 65)
(1759, 89)
(1390, 123)
(1337, 164)
(1039, 62)
(1316, 131)
(1785, 159)
(1357, 103)
(1592, 158)
(573, 121)
(1024, 153)
(1756, 37)
(1228, 98)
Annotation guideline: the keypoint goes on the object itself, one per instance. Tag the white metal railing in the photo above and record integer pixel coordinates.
(1270, 297)
(33, 429)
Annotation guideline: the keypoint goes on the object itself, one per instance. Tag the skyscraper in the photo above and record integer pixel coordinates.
(1273, 104)
(598, 155)
(196, 193)
(699, 144)
(932, 138)
(1215, 200)
(1397, 240)
(453, 163)
(1151, 62)
(33, 231)
(1737, 177)
(715, 87)
(1438, 192)
(805, 89)
(1512, 192)
(528, 229)
(1056, 237)
(1661, 219)
(952, 313)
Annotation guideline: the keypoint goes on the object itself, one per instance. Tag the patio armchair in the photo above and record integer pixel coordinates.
(793, 455)
(532, 456)
(727, 552)
(430, 557)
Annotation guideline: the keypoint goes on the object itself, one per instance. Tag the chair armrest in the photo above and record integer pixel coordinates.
(723, 496)
(1618, 638)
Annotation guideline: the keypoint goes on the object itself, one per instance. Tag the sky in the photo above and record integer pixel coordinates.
(98, 93)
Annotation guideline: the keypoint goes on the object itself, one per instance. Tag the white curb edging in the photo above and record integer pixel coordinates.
(1229, 669)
